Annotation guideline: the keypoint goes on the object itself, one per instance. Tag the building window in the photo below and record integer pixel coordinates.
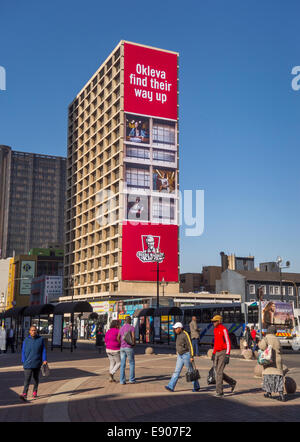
(163, 208)
(164, 155)
(138, 177)
(290, 291)
(277, 290)
(271, 290)
(252, 289)
(163, 133)
(137, 152)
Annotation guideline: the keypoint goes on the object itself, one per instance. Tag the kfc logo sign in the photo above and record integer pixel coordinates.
(151, 251)
(145, 245)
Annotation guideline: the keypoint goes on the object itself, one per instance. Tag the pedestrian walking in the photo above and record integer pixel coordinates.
(10, 337)
(2, 340)
(273, 380)
(195, 335)
(74, 334)
(143, 331)
(254, 339)
(248, 338)
(221, 355)
(33, 357)
(185, 356)
(99, 337)
(126, 337)
(113, 349)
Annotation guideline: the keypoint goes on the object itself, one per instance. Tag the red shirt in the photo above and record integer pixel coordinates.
(222, 341)
(253, 334)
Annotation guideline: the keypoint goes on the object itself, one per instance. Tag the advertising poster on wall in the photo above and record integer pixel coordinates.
(150, 81)
(53, 288)
(277, 313)
(57, 330)
(137, 207)
(27, 273)
(137, 129)
(164, 180)
(143, 245)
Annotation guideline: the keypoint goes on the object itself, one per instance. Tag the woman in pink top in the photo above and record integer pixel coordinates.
(113, 349)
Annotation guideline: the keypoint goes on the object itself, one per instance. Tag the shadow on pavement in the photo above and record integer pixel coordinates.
(199, 407)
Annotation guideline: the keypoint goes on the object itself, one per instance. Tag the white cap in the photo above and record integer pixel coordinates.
(178, 325)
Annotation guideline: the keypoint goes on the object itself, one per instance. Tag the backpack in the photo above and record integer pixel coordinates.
(128, 338)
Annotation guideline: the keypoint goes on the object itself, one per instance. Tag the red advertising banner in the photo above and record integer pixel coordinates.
(143, 245)
(150, 82)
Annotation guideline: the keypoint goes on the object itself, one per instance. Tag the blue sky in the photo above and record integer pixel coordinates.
(239, 116)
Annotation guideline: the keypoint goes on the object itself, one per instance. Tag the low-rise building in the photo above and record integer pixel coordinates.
(276, 286)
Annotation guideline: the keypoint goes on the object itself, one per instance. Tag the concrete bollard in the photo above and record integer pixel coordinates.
(149, 351)
(209, 353)
(247, 354)
(258, 370)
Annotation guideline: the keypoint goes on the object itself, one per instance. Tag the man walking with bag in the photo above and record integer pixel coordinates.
(185, 356)
(195, 335)
(126, 337)
(221, 355)
(33, 357)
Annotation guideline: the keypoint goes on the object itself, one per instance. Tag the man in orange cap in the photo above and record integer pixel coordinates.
(221, 355)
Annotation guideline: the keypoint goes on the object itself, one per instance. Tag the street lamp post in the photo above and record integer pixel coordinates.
(287, 265)
(163, 284)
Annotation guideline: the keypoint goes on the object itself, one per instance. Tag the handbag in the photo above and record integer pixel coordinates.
(45, 370)
(192, 375)
(265, 356)
(211, 378)
(128, 338)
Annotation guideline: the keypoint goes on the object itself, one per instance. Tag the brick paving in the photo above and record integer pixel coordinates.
(78, 391)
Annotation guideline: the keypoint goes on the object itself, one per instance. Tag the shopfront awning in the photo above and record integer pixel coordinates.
(162, 311)
(88, 315)
(72, 307)
(168, 311)
(14, 312)
(38, 310)
(146, 312)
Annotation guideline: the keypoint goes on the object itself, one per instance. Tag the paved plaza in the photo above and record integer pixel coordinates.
(78, 391)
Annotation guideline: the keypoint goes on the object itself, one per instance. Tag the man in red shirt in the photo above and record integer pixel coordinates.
(221, 355)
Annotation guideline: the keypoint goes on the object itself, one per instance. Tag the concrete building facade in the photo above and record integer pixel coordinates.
(32, 198)
(122, 174)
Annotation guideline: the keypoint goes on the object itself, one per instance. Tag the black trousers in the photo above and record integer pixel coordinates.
(28, 374)
(11, 344)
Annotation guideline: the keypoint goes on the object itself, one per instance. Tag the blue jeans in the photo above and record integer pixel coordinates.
(181, 361)
(124, 353)
(195, 343)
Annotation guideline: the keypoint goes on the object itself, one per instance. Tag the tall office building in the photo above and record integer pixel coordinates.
(32, 198)
(122, 177)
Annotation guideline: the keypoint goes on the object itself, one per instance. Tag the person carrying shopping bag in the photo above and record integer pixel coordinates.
(185, 356)
(221, 355)
(33, 357)
(273, 379)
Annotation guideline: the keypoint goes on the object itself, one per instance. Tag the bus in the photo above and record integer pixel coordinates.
(235, 318)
